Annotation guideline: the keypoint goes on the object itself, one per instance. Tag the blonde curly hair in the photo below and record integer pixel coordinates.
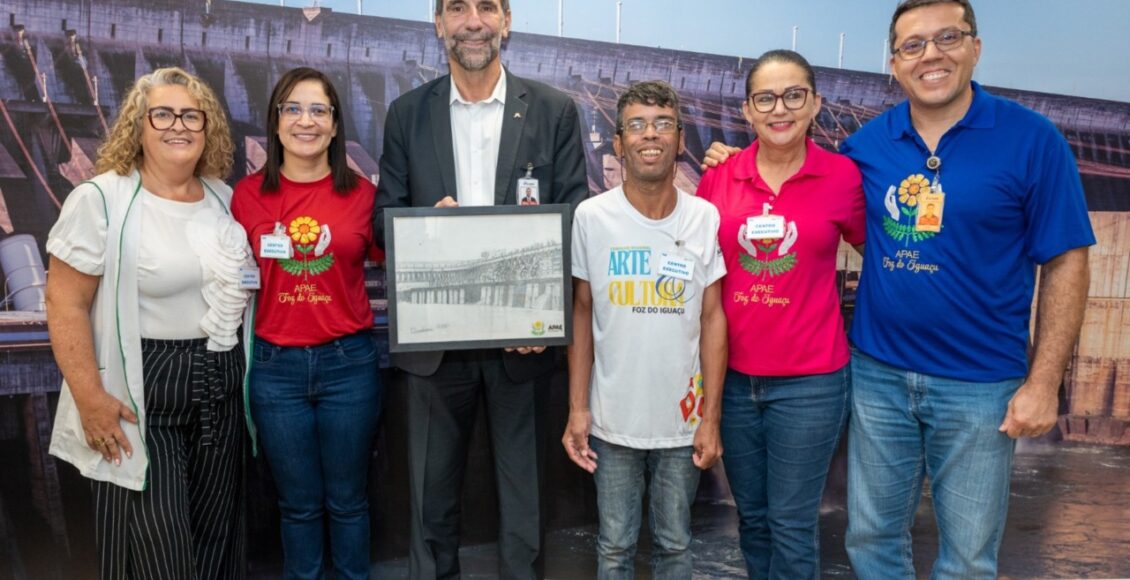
(121, 151)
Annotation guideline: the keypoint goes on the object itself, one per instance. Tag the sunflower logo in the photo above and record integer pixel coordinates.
(304, 229)
(912, 187)
(901, 203)
(310, 240)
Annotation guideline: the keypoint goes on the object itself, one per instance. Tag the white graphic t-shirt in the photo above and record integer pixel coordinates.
(648, 278)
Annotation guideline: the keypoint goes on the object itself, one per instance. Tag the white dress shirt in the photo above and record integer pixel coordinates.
(476, 132)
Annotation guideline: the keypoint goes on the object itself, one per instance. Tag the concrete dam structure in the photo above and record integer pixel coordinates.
(65, 65)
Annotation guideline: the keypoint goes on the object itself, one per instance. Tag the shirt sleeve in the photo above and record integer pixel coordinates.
(853, 226)
(1055, 208)
(579, 243)
(79, 236)
(706, 185)
(715, 265)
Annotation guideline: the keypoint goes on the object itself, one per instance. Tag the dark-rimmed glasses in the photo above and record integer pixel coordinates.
(793, 99)
(663, 126)
(163, 119)
(946, 41)
(318, 112)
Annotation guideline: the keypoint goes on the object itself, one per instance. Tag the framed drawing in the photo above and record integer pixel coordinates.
(478, 277)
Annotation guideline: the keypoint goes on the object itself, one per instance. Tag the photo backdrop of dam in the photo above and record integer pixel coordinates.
(65, 64)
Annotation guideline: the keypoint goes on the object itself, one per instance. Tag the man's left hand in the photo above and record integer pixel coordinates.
(707, 446)
(1032, 411)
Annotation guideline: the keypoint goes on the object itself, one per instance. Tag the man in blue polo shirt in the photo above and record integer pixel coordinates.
(941, 376)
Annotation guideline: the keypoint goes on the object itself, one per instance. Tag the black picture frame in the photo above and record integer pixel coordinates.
(479, 277)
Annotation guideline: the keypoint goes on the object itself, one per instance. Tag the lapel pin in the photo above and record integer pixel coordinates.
(517, 115)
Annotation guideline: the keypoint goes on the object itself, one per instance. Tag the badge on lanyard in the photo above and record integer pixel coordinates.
(249, 278)
(527, 193)
(766, 226)
(276, 246)
(930, 208)
(676, 264)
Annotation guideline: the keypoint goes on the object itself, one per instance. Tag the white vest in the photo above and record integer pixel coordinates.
(116, 327)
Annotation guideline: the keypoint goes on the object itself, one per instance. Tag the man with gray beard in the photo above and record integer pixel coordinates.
(476, 137)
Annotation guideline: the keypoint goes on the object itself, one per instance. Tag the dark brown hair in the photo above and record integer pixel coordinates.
(344, 177)
(782, 56)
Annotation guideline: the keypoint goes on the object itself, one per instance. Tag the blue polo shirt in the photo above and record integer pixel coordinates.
(956, 303)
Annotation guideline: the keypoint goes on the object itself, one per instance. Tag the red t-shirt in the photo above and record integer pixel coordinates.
(780, 296)
(319, 294)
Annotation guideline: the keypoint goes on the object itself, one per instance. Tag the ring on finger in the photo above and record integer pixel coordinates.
(99, 441)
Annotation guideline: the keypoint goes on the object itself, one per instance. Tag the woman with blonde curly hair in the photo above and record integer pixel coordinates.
(144, 299)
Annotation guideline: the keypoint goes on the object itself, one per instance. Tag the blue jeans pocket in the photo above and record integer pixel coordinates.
(357, 348)
(264, 352)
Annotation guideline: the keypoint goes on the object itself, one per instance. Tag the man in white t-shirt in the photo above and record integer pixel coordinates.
(649, 343)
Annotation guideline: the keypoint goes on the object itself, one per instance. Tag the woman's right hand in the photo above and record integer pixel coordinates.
(718, 154)
(101, 415)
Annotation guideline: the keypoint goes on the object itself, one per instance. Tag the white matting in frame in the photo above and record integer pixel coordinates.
(478, 277)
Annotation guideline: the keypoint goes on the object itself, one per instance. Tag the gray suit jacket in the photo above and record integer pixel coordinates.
(540, 126)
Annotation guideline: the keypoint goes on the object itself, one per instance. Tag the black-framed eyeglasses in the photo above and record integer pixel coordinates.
(319, 112)
(663, 126)
(793, 99)
(946, 41)
(163, 119)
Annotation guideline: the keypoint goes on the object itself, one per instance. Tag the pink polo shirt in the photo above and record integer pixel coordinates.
(780, 296)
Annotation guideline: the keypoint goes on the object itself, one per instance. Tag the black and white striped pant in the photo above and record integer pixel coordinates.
(190, 522)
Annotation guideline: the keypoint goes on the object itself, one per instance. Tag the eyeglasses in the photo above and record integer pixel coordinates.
(946, 40)
(663, 126)
(318, 112)
(163, 119)
(767, 101)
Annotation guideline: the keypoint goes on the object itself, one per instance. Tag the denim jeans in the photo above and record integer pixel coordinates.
(779, 434)
(316, 409)
(906, 426)
(619, 496)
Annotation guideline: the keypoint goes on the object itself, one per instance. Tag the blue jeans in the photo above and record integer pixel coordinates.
(316, 409)
(619, 497)
(779, 434)
(906, 426)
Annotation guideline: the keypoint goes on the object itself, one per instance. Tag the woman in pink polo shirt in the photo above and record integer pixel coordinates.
(785, 203)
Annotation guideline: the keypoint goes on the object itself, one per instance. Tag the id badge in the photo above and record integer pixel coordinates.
(249, 278)
(676, 266)
(275, 247)
(528, 191)
(765, 227)
(930, 208)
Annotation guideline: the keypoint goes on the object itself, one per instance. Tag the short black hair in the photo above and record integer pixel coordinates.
(908, 5)
(651, 93)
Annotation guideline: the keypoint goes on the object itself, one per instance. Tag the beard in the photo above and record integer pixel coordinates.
(473, 59)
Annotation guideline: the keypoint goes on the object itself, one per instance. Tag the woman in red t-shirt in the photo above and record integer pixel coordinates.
(785, 203)
(315, 394)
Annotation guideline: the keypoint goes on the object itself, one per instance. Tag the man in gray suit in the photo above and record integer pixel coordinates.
(466, 139)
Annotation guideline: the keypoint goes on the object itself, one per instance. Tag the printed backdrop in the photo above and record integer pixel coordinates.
(64, 66)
